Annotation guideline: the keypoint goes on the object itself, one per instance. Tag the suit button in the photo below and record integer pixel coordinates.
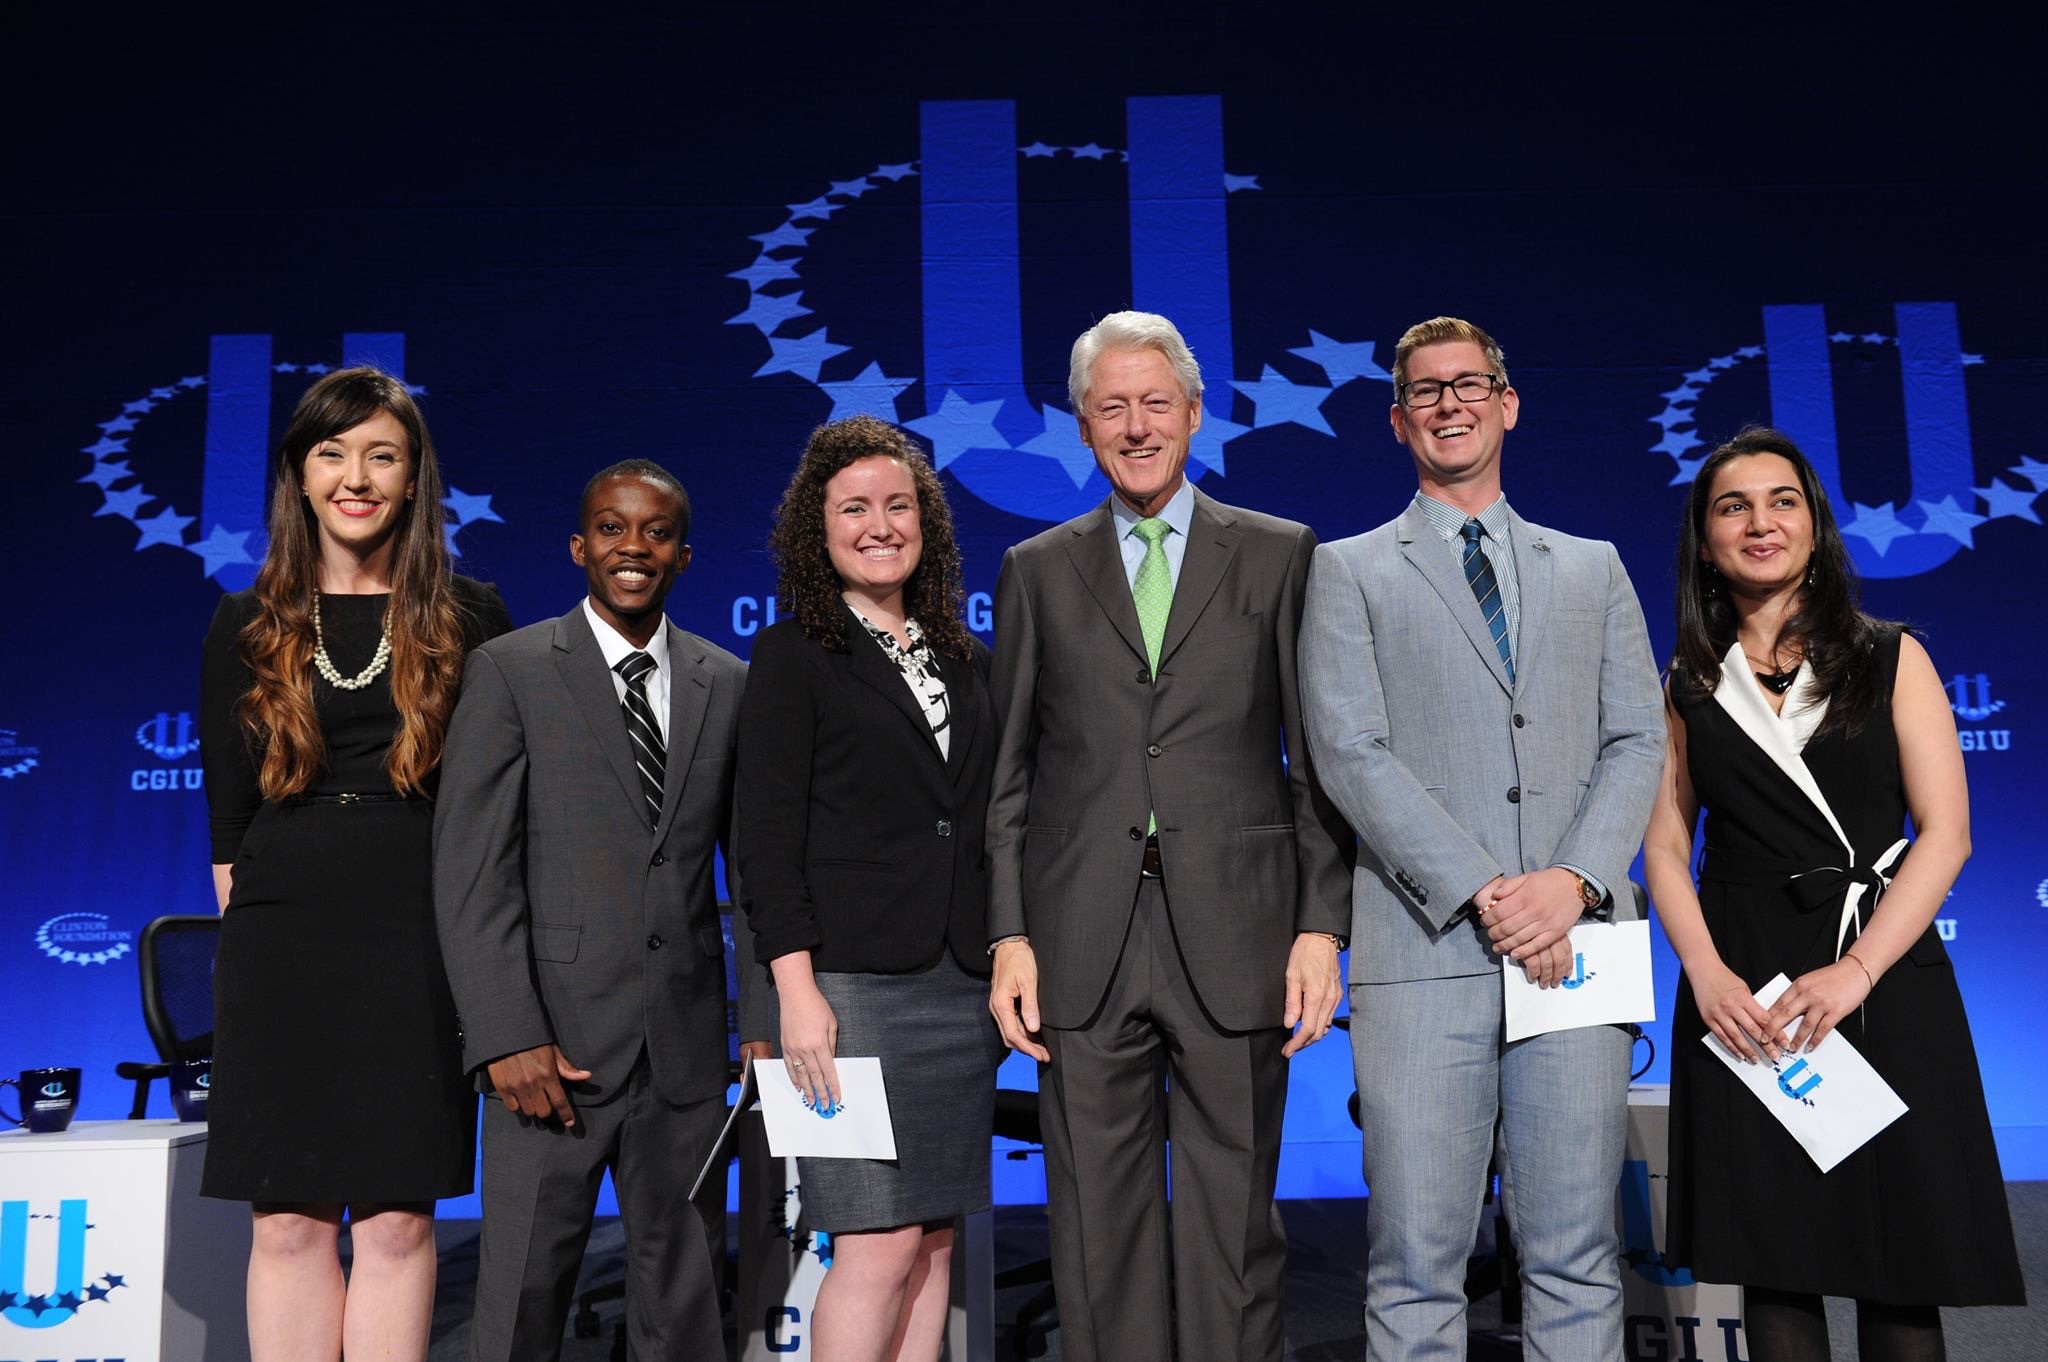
(1137, 834)
(1152, 750)
(1421, 896)
(659, 859)
(654, 943)
(945, 828)
(1144, 676)
(1514, 794)
(1519, 721)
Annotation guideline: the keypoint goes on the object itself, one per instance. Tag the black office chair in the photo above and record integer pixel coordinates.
(175, 958)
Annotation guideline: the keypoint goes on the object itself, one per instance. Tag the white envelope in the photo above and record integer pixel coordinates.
(1830, 1098)
(859, 1129)
(1609, 983)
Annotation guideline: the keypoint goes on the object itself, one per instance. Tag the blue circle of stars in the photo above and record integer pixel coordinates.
(123, 494)
(953, 424)
(1878, 525)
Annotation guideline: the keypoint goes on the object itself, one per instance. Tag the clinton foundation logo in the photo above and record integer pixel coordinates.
(82, 939)
(17, 758)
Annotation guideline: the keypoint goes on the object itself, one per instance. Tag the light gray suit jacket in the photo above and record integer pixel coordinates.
(1091, 741)
(1452, 775)
(563, 917)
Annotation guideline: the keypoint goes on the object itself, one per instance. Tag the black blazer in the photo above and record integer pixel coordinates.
(857, 841)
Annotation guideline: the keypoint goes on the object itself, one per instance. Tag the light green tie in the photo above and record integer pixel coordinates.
(1152, 590)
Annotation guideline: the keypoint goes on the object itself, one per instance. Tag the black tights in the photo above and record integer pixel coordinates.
(1789, 1326)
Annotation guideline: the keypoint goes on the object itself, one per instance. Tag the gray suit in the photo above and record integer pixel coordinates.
(564, 918)
(1453, 775)
(1182, 976)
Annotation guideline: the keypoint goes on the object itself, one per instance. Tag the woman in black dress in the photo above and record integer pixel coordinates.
(325, 692)
(1809, 732)
(866, 748)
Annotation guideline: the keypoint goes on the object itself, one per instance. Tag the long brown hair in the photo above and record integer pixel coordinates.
(423, 618)
(809, 585)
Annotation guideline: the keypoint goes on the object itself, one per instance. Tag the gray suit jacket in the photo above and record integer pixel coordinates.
(563, 918)
(1254, 852)
(1451, 774)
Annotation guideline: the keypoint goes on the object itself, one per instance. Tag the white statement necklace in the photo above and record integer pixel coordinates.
(325, 664)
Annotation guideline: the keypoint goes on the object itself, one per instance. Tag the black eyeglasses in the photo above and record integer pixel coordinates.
(1423, 393)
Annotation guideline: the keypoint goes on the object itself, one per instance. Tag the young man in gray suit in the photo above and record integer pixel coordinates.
(1481, 702)
(588, 776)
(1166, 893)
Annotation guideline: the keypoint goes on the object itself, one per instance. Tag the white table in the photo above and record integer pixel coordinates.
(107, 1250)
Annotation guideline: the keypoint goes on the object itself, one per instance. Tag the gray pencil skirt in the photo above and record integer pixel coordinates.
(939, 1049)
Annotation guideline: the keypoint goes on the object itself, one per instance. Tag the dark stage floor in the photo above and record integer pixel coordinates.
(1325, 1283)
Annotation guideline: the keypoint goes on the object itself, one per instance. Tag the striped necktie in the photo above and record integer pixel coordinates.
(650, 754)
(1486, 590)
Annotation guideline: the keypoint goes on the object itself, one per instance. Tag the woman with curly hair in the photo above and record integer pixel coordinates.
(1810, 733)
(866, 746)
(324, 698)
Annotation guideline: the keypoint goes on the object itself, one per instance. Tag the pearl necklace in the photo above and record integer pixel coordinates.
(325, 664)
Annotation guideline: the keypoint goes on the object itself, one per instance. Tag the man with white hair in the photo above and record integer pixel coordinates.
(1168, 884)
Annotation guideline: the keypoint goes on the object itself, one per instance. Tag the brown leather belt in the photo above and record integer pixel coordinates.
(1150, 869)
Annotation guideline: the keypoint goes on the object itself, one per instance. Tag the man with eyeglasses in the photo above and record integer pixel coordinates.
(1166, 892)
(1479, 695)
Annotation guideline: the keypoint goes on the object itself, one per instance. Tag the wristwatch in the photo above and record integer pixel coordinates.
(1589, 893)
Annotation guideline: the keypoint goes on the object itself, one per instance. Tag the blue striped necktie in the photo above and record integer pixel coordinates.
(650, 754)
(1486, 590)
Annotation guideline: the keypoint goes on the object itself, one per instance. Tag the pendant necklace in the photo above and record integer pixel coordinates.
(1775, 681)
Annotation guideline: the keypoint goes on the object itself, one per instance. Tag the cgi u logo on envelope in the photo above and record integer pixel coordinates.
(1579, 973)
(1788, 1078)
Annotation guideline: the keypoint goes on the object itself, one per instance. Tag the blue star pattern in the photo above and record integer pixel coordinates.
(2000, 500)
(1342, 362)
(1945, 517)
(221, 547)
(1061, 440)
(801, 355)
(165, 527)
(952, 424)
(1279, 399)
(958, 426)
(1878, 525)
(870, 393)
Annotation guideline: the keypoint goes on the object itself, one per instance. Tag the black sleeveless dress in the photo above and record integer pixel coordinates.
(337, 1063)
(1917, 1216)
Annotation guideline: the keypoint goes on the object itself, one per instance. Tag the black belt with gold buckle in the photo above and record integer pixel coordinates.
(353, 799)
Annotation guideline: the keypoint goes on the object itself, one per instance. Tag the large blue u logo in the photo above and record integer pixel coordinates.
(1937, 420)
(973, 311)
(1787, 1080)
(41, 1311)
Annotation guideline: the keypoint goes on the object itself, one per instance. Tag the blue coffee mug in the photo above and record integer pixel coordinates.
(191, 1079)
(49, 1099)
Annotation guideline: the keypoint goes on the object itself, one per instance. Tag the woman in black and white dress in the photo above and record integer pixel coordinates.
(866, 748)
(1809, 732)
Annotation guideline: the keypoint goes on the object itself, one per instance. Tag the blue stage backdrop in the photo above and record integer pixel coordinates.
(693, 241)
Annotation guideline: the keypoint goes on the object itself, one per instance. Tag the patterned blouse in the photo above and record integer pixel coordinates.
(920, 670)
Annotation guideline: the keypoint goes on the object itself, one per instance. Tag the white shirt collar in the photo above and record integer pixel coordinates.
(616, 646)
(1178, 513)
